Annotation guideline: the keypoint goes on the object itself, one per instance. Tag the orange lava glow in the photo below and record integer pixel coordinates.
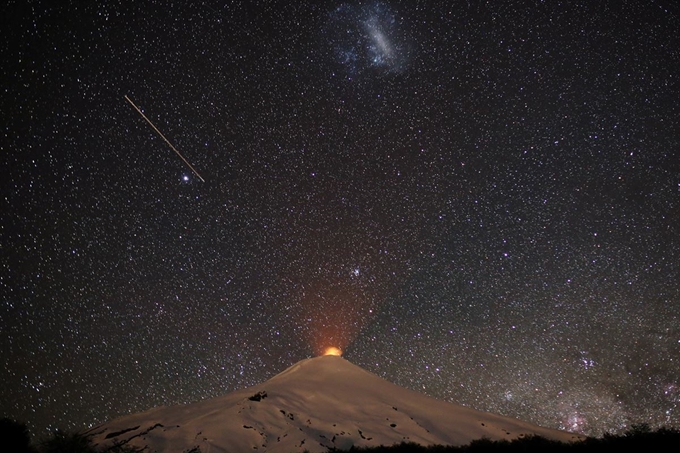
(334, 315)
(332, 350)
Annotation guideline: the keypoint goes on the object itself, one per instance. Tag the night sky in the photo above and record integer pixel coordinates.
(476, 200)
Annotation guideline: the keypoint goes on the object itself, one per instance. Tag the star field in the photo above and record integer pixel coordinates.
(476, 200)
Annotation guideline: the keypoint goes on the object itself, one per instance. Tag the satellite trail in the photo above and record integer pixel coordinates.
(163, 137)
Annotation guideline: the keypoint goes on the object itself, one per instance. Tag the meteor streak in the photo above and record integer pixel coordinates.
(163, 137)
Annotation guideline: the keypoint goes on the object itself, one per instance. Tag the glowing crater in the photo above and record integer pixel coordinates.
(332, 350)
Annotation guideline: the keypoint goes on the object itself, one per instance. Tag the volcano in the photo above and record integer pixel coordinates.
(316, 405)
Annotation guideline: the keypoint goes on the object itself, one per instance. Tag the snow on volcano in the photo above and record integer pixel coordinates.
(315, 405)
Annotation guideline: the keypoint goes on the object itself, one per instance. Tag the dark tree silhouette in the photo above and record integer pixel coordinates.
(62, 442)
(14, 436)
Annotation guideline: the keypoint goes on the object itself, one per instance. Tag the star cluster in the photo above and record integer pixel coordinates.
(475, 200)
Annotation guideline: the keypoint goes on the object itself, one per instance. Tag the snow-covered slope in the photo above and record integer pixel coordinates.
(317, 404)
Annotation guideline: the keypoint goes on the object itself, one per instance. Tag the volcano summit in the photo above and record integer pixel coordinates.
(316, 405)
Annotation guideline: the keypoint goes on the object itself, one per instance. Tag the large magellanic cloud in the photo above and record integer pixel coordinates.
(366, 38)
